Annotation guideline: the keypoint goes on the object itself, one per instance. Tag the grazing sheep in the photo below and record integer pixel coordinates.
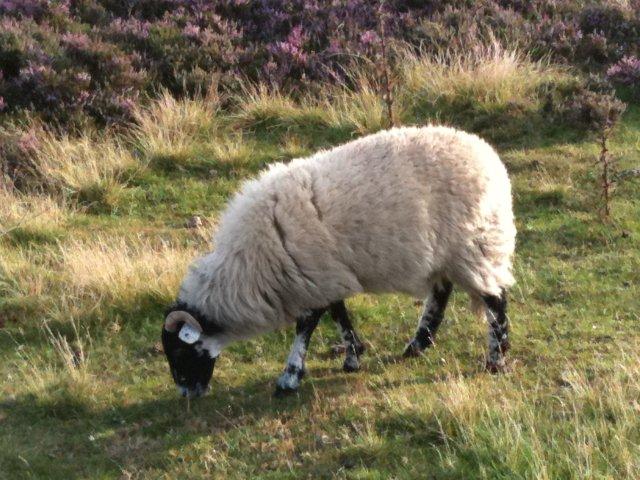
(412, 210)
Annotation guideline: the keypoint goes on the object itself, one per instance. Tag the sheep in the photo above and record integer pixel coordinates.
(409, 210)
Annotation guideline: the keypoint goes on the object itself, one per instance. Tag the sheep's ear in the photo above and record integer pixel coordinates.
(191, 330)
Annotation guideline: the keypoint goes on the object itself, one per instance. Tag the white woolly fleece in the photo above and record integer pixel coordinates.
(390, 212)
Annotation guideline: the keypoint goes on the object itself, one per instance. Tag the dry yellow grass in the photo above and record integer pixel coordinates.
(74, 164)
(362, 107)
(486, 73)
(17, 209)
(170, 126)
(233, 148)
(259, 106)
(106, 270)
(256, 103)
(87, 279)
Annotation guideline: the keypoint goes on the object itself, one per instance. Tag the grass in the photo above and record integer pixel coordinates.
(488, 73)
(488, 89)
(38, 211)
(169, 127)
(85, 392)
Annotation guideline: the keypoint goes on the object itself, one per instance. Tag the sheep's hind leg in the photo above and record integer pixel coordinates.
(354, 347)
(289, 381)
(431, 319)
(496, 313)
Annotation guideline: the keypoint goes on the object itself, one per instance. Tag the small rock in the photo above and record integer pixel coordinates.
(213, 173)
(194, 222)
(626, 234)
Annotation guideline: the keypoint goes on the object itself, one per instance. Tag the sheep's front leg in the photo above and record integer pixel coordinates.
(431, 319)
(353, 346)
(289, 381)
(496, 313)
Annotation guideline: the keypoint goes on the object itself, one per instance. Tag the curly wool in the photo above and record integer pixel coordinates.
(391, 212)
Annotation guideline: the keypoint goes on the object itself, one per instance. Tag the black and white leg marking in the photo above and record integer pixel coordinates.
(431, 319)
(289, 381)
(353, 345)
(496, 312)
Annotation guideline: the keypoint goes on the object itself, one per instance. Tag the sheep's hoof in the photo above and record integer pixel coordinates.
(359, 348)
(284, 392)
(351, 364)
(412, 351)
(496, 366)
(289, 381)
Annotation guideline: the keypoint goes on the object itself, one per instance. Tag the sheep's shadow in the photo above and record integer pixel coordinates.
(135, 436)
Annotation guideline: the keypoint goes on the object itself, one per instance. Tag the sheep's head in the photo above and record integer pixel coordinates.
(190, 352)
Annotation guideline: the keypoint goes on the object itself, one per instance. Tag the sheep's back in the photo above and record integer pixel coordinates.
(407, 204)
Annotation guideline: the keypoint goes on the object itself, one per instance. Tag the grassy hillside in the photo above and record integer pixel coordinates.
(93, 244)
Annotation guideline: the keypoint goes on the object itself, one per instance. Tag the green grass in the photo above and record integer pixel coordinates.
(85, 392)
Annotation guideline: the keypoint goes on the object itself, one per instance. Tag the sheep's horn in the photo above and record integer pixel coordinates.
(172, 320)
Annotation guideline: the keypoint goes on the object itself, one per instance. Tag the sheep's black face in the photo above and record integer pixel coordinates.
(190, 364)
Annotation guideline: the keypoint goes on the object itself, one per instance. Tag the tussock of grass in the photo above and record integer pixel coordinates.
(85, 168)
(292, 146)
(263, 109)
(105, 271)
(123, 267)
(232, 149)
(79, 163)
(488, 89)
(486, 74)
(172, 127)
(36, 211)
(89, 279)
(361, 108)
(31, 219)
(258, 103)
(28, 284)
